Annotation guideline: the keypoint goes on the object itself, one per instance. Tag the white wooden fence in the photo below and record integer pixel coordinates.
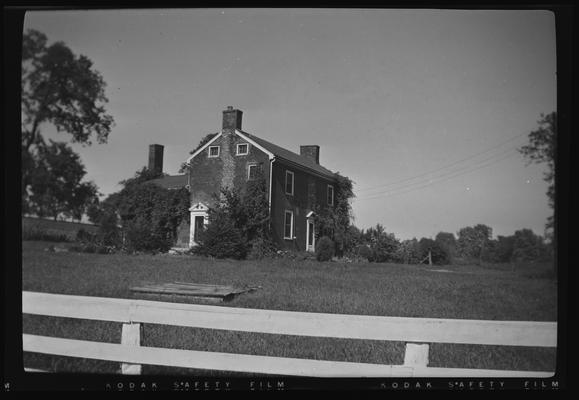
(416, 332)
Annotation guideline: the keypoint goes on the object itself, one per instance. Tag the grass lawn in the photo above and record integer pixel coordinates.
(463, 292)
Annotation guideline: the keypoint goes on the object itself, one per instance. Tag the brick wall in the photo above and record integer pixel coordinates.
(308, 190)
(207, 174)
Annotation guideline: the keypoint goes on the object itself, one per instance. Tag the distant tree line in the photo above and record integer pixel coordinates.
(472, 244)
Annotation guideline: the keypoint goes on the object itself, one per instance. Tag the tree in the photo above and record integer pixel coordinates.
(148, 214)
(409, 252)
(143, 175)
(542, 149)
(238, 223)
(56, 185)
(63, 89)
(446, 240)
(384, 246)
(528, 247)
(60, 88)
(500, 250)
(472, 241)
(438, 254)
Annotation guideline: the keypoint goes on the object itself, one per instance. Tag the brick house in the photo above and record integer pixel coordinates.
(295, 182)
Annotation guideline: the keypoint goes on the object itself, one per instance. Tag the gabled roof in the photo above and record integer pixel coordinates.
(272, 151)
(171, 181)
(280, 152)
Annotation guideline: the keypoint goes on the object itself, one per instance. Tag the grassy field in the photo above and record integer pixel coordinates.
(523, 292)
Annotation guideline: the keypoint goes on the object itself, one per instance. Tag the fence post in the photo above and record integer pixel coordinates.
(416, 356)
(131, 336)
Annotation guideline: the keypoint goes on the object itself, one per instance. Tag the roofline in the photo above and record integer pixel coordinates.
(269, 154)
(253, 143)
(199, 150)
(277, 156)
(307, 169)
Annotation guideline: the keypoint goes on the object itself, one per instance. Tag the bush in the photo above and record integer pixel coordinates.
(108, 233)
(363, 251)
(83, 236)
(143, 236)
(324, 249)
(222, 240)
(149, 214)
(262, 248)
(91, 248)
(44, 235)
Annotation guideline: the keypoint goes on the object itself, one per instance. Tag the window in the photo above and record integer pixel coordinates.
(253, 171)
(330, 195)
(213, 151)
(242, 149)
(289, 182)
(288, 230)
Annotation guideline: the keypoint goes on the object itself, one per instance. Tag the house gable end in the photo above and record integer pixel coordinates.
(255, 144)
(202, 148)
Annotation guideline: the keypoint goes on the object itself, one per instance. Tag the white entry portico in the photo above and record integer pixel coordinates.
(199, 219)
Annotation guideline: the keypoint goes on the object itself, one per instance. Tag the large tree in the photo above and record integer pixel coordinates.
(542, 150)
(62, 89)
(56, 185)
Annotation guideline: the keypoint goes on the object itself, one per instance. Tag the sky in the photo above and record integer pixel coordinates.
(422, 109)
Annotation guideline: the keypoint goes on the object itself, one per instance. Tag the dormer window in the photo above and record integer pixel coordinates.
(289, 183)
(330, 195)
(242, 149)
(213, 151)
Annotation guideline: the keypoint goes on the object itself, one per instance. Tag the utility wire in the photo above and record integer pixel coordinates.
(441, 168)
(445, 173)
(397, 191)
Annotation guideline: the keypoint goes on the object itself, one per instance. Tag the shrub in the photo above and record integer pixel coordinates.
(363, 251)
(35, 233)
(262, 248)
(222, 240)
(143, 236)
(91, 248)
(238, 224)
(108, 233)
(324, 249)
(83, 236)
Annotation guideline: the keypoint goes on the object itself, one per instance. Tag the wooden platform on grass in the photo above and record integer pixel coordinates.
(197, 290)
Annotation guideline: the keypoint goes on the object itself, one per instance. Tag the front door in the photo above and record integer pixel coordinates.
(311, 245)
(199, 220)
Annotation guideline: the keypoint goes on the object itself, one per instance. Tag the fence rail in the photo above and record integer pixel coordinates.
(416, 332)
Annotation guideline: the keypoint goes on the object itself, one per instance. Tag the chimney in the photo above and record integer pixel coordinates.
(311, 152)
(232, 119)
(156, 158)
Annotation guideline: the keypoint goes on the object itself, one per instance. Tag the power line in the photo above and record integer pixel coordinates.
(396, 191)
(442, 178)
(443, 167)
(444, 174)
